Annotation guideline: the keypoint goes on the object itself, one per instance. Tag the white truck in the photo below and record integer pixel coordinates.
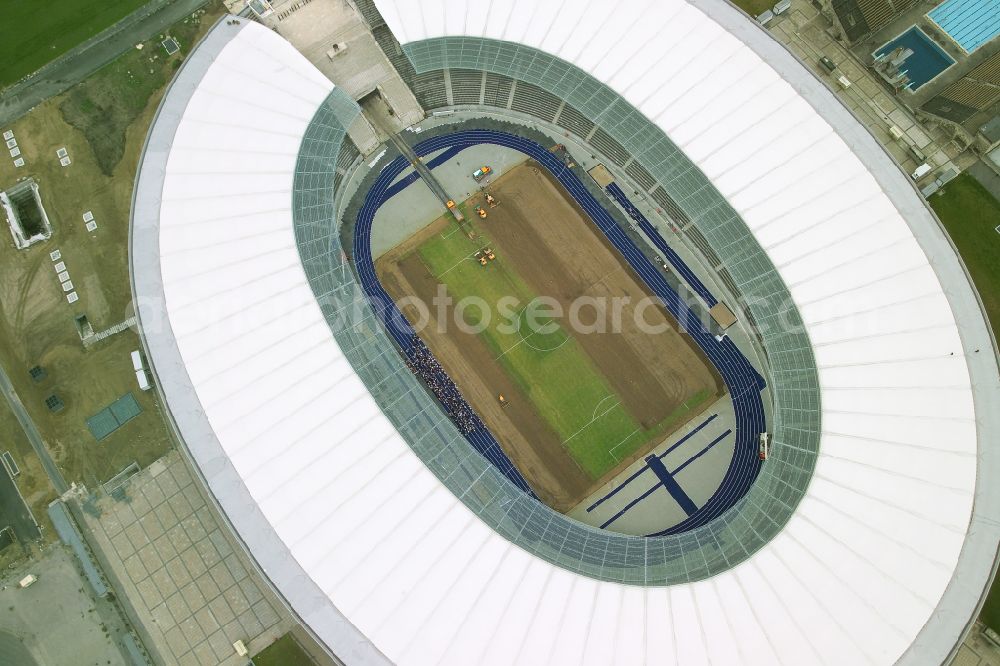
(921, 171)
(140, 371)
(764, 445)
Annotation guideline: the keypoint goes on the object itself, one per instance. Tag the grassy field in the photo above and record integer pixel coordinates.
(283, 652)
(754, 7)
(550, 366)
(991, 609)
(107, 103)
(970, 213)
(36, 321)
(32, 35)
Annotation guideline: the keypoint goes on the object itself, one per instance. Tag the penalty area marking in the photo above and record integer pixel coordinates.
(598, 405)
(591, 422)
(611, 451)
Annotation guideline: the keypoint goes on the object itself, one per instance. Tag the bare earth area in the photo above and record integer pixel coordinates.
(552, 246)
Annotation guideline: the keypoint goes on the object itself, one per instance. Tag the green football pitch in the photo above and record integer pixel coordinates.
(545, 361)
(33, 34)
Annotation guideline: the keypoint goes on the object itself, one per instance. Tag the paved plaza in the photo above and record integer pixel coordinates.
(977, 650)
(190, 584)
(57, 620)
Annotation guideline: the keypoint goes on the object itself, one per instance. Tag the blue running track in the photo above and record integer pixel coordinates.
(742, 380)
(670, 483)
(619, 197)
(639, 471)
(665, 478)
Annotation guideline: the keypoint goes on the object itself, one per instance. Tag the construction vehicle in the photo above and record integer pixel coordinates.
(455, 212)
(764, 445)
(481, 258)
(491, 200)
(489, 253)
(503, 400)
(481, 212)
(481, 173)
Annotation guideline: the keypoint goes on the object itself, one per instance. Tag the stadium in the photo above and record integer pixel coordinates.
(795, 470)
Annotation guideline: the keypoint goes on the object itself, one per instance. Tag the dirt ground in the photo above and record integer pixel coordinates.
(37, 323)
(557, 251)
(531, 443)
(538, 228)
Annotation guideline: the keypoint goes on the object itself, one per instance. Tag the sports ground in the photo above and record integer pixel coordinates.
(581, 405)
(34, 37)
(743, 382)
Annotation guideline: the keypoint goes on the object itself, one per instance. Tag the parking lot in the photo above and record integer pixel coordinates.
(55, 619)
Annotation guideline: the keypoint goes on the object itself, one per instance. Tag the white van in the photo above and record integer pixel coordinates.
(140, 371)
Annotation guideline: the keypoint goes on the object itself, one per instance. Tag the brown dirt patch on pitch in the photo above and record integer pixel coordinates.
(554, 246)
(532, 445)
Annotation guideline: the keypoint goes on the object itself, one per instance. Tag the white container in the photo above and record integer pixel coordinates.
(140, 371)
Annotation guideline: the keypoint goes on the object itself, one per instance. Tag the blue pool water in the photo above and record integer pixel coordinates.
(928, 59)
(971, 23)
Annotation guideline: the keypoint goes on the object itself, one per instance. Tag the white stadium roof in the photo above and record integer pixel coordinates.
(885, 558)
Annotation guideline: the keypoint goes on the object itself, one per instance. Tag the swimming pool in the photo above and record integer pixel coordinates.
(927, 61)
(971, 23)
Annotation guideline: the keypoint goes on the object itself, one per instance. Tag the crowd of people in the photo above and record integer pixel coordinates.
(422, 363)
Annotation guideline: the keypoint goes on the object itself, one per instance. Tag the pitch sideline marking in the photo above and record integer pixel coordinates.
(458, 263)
